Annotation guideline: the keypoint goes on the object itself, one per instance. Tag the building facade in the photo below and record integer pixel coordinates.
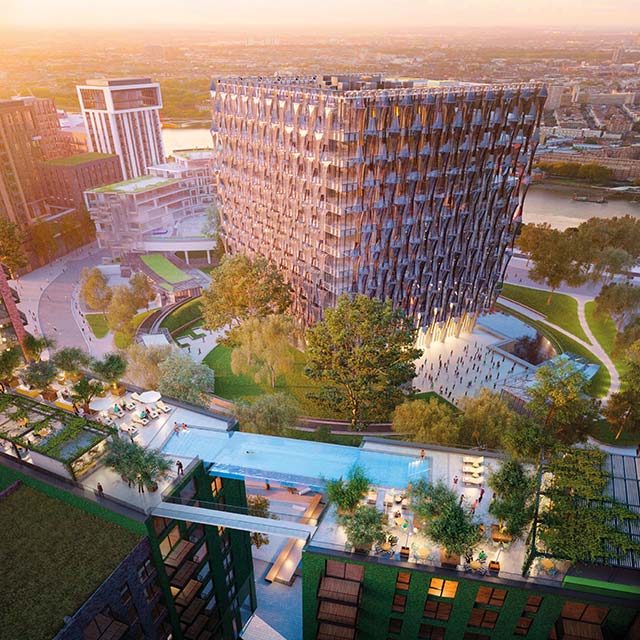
(122, 117)
(12, 320)
(136, 215)
(69, 177)
(363, 185)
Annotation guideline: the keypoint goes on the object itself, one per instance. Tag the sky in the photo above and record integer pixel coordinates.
(343, 14)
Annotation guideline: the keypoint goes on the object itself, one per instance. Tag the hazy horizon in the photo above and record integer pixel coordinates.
(414, 15)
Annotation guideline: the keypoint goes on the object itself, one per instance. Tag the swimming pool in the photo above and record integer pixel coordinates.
(239, 454)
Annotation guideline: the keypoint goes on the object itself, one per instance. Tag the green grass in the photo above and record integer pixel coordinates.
(243, 387)
(52, 570)
(563, 310)
(98, 324)
(122, 340)
(600, 383)
(604, 330)
(188, 312)
(325, 436)
(427, 395)
(604, 433)
(165, 269)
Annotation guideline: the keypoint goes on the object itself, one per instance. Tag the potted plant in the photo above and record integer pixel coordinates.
(364, 528)
(346, 495)
(40, 375)
(35, 346)
(111, 368)
(84, 391)
(70, 360)
(135, 464)
(9, 360)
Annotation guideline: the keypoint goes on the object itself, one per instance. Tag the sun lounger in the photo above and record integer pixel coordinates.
(104, 418)
(473, 460)
(472, 480)
(388, 499)
(163, 407)
(131, 406)
(117, 411)
(153, 414)
(128, 429)
(136, 396)
(138, 420)
(468, 468)
(372, 496)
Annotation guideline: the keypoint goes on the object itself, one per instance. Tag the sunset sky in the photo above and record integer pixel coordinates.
(580, 14)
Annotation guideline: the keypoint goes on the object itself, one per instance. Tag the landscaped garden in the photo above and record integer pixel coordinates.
(563, 310)
(165, 269)
(187, 315)
(604, 330)
(98, 324)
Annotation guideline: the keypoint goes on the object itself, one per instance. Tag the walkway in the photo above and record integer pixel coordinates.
(594, 347)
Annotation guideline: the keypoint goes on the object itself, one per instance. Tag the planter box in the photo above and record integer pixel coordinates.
(119, 390)
(50, 395)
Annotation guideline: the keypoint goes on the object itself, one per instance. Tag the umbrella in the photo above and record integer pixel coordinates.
(100, 404)
(150, 396)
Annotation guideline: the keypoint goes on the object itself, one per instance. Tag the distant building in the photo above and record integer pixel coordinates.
(358, 184)
(554, 98)
(618, 55)
(122, 117)
(73, 129)
(148, 213)
(68, 178)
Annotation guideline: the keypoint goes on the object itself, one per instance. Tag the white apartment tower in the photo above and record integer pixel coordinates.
(122, 117)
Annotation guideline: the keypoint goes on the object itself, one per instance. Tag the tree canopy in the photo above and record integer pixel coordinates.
(484, 419)
(111, 368)
(141, 289)
(623, 407)
(428, 421)
(144, 364)
(12, 253)
(363, 354)
(270, 414)
(243, 288)
(70, 359)
(182, 378)
(121, 310)
(94, 289)
(620, 301)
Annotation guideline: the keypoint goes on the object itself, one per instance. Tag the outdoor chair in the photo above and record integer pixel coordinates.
(131, 406)
(138, 420)
(163, 407)
(136, 396)
(153, 414)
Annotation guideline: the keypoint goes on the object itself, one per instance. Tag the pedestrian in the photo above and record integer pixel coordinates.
(199, 351)
(474, 506)
(461, 499)
(455, 481)
(481, 495)
(180, 468)
(100, 490)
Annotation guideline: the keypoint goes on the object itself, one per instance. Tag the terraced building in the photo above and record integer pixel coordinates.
(393, 189)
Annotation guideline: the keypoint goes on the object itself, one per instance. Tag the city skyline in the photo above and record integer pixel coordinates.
(251, 14)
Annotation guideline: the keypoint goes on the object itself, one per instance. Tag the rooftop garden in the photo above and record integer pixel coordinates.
(79, 158)
(87, 549)
(165, 269)
(135, 185)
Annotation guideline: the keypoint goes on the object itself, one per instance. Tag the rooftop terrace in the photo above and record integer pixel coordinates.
(79, 158)
(136, 185)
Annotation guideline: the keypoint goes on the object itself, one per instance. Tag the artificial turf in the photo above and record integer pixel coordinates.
(165, 269)
(563, 310)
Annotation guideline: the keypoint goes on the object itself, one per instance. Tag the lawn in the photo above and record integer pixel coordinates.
(165, 269)
(185, 314)
(563, 310)
(605, 332)
(601, 381)
(98, 324)
(121, 340)
(52, 570)
(243, 387)
(604, 433)
(427, 395)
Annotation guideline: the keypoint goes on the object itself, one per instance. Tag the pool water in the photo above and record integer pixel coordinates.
(297, 461)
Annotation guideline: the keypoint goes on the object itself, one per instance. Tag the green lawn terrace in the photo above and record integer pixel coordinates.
(42, 587)
(43, 435)
(78, 159)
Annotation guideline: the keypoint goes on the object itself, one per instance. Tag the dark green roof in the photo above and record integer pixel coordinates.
(79, 158)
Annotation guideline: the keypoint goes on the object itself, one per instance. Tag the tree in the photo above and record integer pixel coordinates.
(111, 368)
(620, 301)
(9, 361)
(623, 408)
(347, 494)
(593, 172)
(94, 290)
(142, 290)
(258, 506)
(270, 414)
(553, 257)
(144, 364)
(39, 374)
(242, 288)
(135, 464)
(364, 527)
(444, 519)
(580, 522)
(429, 421)
(84, 391)
(559, 404)
(35, 346)
(121, 311)
(70, 359)
(629, 335)
(363, 354)
(514, 490)
(185, 380)
(484, 419)
(12, 253)
(262, 346)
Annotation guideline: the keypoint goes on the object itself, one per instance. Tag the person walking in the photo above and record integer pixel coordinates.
(180, 468)
(474, 506)
(461, 499)
(481, 495)
(455, 481)
(100, 490)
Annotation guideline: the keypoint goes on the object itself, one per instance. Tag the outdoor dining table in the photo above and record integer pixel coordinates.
(386, 546)
(546, 564)
(423, 552)
(475, 565)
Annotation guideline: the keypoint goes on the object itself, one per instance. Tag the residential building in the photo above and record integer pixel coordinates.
(69, 177)
(357, 184)
(74, 131)
(146, 577)
(164, 210)
(122, 116)
(554, 99)
(12, 320)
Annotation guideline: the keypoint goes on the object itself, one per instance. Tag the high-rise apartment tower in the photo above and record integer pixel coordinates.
(392, 189)
(122, 117)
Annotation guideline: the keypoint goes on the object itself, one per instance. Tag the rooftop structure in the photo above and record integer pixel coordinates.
(364, 185)
(122, 117)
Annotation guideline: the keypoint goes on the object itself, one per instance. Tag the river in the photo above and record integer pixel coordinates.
(543, 203)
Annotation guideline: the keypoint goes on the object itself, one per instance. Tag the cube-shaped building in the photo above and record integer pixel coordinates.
(397, 190)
